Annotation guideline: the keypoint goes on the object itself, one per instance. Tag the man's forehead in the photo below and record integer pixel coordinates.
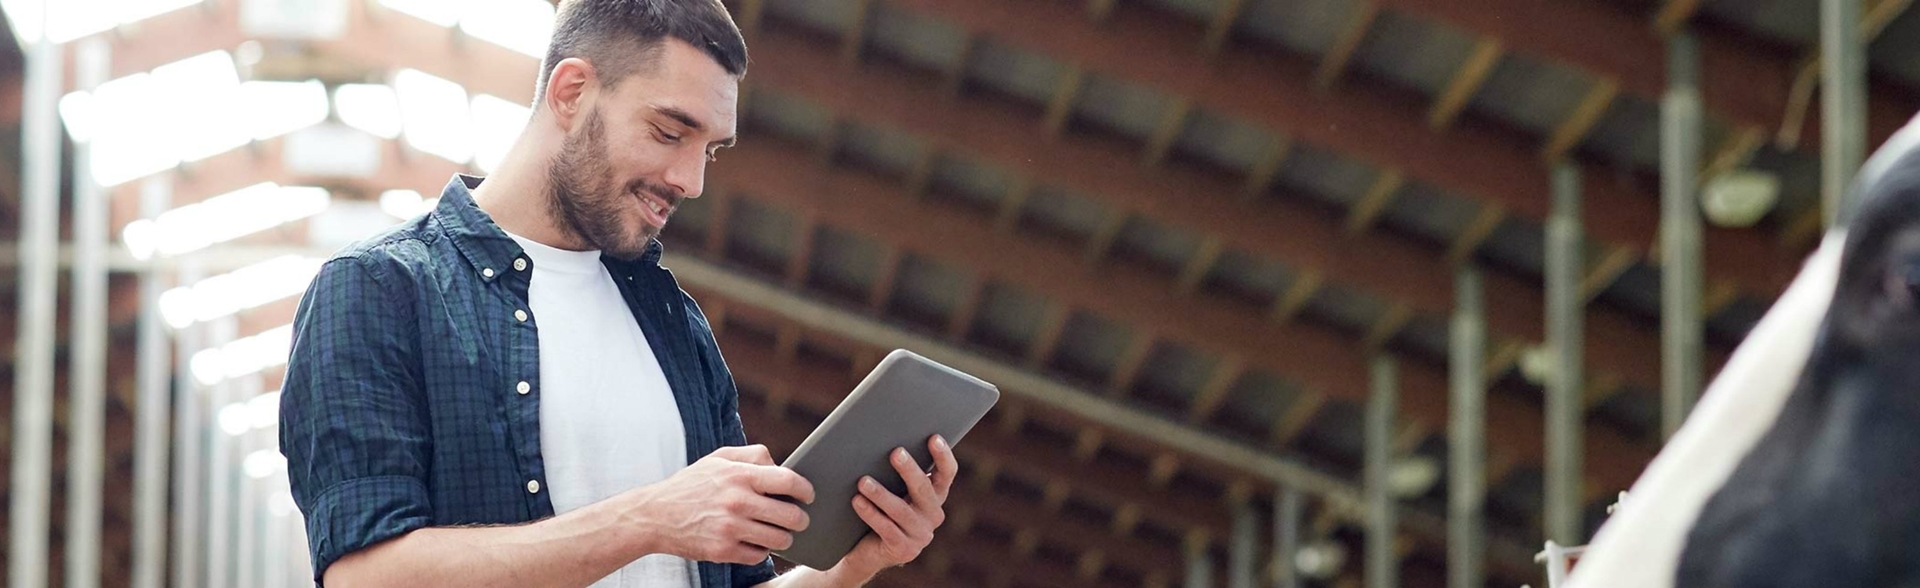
(689, 86)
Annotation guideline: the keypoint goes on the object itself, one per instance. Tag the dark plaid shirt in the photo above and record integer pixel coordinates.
(412, 394)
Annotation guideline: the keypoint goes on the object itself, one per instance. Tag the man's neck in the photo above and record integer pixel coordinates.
(517, 199)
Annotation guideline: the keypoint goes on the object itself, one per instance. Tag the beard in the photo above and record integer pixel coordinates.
(587, 201)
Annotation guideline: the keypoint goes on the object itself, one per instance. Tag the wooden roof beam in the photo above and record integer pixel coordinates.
(1065, 96)
(1334, 63)
(1613, 40)
(1580, 123)
(1465, 83)
(1220, 28)
(1271, 162)
(1199, 266)
(1213, 394)
(854, 41)
(1366, 210)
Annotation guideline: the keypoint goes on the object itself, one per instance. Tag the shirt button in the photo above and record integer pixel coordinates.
(533, 486)
(520, 265)
(520, 315)
(523, 388)
(486, 272)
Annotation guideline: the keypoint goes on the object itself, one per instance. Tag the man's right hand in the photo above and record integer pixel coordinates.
(721, 508)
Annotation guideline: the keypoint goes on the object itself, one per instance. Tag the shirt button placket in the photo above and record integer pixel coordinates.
(533, 486)
(520, 315)
(520, 265)
(523, 388)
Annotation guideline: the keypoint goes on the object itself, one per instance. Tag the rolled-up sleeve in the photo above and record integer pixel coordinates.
(352, 419)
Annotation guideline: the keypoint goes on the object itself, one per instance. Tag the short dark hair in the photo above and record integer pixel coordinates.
(621, 37)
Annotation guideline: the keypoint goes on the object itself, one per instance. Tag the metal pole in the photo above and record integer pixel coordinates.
(1240, 553)
(32, 469)
(1383, 566)
(1199, 563)
(150, 426)
(189, 457)
(1843, 104)
(1566, 403)
(246, 546)
(220, 471)
(1466, 476)
(1287, 508)
(1680, 281)
(87, 359)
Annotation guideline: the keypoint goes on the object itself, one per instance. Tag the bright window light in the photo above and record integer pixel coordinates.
(200, 95)
(222, 218)
(278, 108)
(264, 410)
(521, 25)
(25, 17)
(124, 125)
(248, 287)
(369, 107)
(242, 357)
(262, 463)
(435, 115)
(232, 419)
(75, 113)
(440, 12)
(496, 124)
(146, 123)
(405, 204)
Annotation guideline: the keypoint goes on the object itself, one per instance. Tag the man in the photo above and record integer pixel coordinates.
(508, 390)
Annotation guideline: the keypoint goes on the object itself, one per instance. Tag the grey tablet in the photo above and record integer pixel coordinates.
(906, 400)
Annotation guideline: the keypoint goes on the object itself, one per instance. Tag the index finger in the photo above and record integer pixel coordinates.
(753, 454)
(945, 466)
(778, 481)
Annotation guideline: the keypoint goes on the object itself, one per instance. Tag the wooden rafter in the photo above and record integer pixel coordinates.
(1046, 338)
(1605, 270)
(1334, 63)
(954, 78)
(854, 41)
(1295, 298)
(1127, 368)
(1271, 162)
(1103, 238)
(1367, 209)
(1675, 14)
(800, 264)
(1213, 394)
(1580, 123)
(1220, 28)
(1012, 205)
(1167, 132)
(1199, 265)
(1065, 96)
(1295, 419)
(1476, 233)
(1385, 328)
(1466, 82)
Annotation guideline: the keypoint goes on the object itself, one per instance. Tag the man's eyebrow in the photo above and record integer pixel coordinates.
(687, 120)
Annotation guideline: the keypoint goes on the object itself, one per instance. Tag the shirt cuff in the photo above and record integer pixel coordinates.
(358, 513)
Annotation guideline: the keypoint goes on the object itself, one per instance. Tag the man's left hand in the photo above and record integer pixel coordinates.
(902, 527)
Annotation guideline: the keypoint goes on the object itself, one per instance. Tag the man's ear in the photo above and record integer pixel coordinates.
(569, 91)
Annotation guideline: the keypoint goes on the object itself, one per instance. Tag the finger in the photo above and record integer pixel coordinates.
(894, 507)
(763, 535)
(778, 513)
(753, 454)
(888, 531)
(743, 554)
(919, 488)
(774, 480)
(945, 466)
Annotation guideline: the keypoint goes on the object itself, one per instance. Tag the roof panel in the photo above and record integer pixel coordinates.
(928, 288)
(1250, 275)
(1413, 53)
(1327, 176)
(888, 149)
(1132, 109)
(1009, 313)
(1164, 247)
(973, 184)
(1065, 212)
(924, 42)
(1531, 93)
(824, 15)
(1176, 371)
(1015, 71)
(1090, 345)
(1224, 141)
(1304, 26)
(845, 261)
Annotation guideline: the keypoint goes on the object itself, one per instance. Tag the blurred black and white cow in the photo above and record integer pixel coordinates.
(1801, 464)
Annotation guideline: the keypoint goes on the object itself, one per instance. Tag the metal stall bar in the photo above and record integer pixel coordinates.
(189, 456)
(1240, 551)
(87, 359)
(1383, 563)
(1287, 508)
(32, 469)
(150, 418)
(1843, 104)
(1466, 478)
(1680, 279)
(1566, 403)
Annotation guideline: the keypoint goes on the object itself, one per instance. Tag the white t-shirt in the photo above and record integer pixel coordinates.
(608, 422)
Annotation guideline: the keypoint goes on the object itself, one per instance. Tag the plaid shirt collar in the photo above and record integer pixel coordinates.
(487, 247)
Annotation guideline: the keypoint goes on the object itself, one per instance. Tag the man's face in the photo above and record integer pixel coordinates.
(642, 148)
